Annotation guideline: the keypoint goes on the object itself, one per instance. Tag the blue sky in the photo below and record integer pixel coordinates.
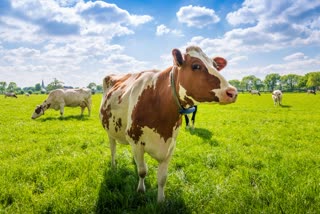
(79, 41)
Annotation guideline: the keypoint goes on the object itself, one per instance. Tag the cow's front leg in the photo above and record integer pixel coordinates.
(138, 152)
(61, 109)
(82, 110)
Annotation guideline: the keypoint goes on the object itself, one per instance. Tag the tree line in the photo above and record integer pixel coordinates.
(273, 81)
(289, 82)
(39, 89)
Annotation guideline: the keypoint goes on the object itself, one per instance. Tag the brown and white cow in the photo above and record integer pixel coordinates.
(144, 109)
(60, 98)
(10, 94)
(277, 97)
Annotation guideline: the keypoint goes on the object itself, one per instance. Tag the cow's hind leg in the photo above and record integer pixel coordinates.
(113, 148)
(162, 179)
(89, 106)
(138, 152)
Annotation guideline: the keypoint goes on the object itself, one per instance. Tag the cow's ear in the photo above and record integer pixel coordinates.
(177, 57)
(219, 63)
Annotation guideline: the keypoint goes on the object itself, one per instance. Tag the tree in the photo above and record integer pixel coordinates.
(12, 87)
(3, 87)
(92, 86)
(99, 88)
(271, 80)
(55, 85)
(251, 82)
(313, 80)
(290, 81)
(235, 83)
(37, 87)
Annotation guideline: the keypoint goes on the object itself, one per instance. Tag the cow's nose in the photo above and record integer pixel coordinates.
(232, 93)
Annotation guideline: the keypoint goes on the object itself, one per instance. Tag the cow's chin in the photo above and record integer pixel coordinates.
(35, 116)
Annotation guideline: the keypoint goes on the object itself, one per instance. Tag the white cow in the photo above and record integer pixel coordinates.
(252, 92)
(60, 98)
(10, 94)
(277, 97)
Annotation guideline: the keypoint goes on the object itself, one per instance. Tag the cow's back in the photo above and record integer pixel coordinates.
(74, 97)
(119, 106)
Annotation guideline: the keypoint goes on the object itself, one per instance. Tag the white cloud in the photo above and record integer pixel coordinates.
(247, 14)
(295, 56)
(162, 30)
(102, 12)
(237, 59)
(195, 16)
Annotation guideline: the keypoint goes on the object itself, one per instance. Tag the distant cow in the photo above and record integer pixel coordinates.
(10, 94)
(311, 92)
(60, 98)
(277, 97)
(252, 92)
(145, 109)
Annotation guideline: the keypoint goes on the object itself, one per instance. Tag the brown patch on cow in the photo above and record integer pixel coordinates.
(156, 110)
(118, 125)
(106, 115)
(38, 109)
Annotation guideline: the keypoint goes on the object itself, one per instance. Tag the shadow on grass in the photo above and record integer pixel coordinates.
(285, 106)
(118, 195)
(71, 117)
(205, 134)
(200, 132)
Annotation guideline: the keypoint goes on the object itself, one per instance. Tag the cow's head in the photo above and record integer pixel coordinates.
(199, 78)
(38, 112)
(40, 109)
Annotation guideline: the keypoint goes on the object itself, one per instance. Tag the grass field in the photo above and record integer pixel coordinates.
(248, 157)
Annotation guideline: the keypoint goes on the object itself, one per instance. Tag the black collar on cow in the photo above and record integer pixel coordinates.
(182, 110)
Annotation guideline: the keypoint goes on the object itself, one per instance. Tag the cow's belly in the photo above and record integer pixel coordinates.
(155, 145)
(74, 103)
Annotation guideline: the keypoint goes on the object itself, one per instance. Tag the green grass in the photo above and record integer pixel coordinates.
(248, 157)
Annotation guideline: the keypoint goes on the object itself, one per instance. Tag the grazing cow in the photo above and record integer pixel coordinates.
(311, 92)
(277, 97)
(10, 94)
(60, 98)
(252, 92)
(27, 94)
(144, 109)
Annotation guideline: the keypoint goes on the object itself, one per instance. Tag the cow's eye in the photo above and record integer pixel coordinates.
(196, 67)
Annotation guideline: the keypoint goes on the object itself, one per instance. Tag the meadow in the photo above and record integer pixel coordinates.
(248, 157)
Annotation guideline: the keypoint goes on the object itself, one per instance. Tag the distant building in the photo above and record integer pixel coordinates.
(43, 88)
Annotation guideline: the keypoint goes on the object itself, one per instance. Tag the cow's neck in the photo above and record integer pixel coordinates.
(182, 110)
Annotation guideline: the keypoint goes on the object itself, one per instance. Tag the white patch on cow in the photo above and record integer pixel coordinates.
(155, 144)
(183, 93)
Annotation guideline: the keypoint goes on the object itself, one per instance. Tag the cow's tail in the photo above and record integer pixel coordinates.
(107, 84)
